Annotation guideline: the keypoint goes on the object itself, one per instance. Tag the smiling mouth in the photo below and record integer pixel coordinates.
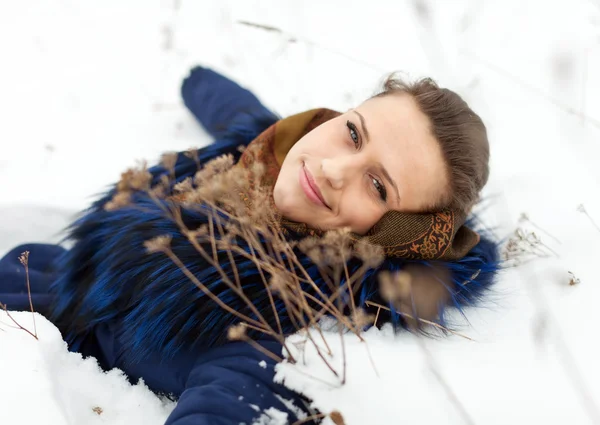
(310, 188)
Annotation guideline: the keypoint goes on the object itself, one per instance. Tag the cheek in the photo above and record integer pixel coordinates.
(362, 217)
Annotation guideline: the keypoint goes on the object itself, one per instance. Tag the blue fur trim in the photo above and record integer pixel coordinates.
(108, 276)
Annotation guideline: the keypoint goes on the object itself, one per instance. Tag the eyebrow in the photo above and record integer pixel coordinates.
(382, 170)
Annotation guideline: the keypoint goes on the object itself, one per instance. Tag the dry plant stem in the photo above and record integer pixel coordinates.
(26, 265)
(371, 359)
(506, 74)
(451, 394)
(261, 322)
(224, 277)
(344, 363)
(577, 379)
(377, 316)
(18, 326)
(266, 283)
(310, 418)
(331, 306)
(309, 336)
(262, 349)
(270, 295)
(212, 296)
(334, 312)
(349, 284)
(236, 275)
(542, 230)
(567, 360)
(592, 220)
(309, 311)
(428, 322)
(321, 354)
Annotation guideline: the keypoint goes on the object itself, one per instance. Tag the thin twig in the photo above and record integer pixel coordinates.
(428, 322)
(445, 385)
(24, 259)
(292, 38)
(532, 89)
(3, 307)
(310, 418)
(582, 209)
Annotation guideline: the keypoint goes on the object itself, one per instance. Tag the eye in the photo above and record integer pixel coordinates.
(354, 135)
(380, 187)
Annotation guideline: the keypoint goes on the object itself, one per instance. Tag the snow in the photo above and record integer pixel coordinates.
(44, 383)
(272, 416)
(89, 87)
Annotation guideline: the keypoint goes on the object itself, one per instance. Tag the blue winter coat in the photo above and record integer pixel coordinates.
(138, 312)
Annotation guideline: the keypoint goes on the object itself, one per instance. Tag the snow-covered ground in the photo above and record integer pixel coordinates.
(42, 383)
(89, 87)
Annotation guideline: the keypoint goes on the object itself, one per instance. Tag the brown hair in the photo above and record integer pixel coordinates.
(460, 132)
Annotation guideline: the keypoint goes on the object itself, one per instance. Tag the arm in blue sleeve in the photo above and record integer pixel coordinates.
(233, 385)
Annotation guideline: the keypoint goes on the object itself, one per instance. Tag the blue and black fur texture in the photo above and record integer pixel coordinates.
(139, 312)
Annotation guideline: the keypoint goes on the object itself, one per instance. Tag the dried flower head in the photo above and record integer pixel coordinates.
(371, 255)
(214, 167)
(310, 246)
(237, 332)
(183, 186)
(278, 283)
(361, 319)
(337, 418)
(574, 279)
(168, 160)
(158, 244)
(394, 286)
(135, 179)
(119, 200)
(192, 153)
(24, 258)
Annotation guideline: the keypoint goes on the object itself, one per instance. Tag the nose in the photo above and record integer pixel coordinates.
(340, 170)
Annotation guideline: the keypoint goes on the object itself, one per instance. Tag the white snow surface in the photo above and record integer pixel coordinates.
(90, 87)
(43, 383)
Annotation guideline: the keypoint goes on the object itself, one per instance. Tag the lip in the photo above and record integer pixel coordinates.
(310, 188)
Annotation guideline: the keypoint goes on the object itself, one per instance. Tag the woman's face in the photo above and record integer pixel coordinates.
(351, 170)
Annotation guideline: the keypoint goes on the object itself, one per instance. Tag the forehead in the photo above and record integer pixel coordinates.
(402, 140)
(397, 116)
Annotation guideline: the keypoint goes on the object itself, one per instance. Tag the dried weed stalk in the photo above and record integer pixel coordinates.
(525, 246)
(241, 224)
(24, 260)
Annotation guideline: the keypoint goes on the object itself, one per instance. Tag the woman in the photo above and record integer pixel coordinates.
(400, 171)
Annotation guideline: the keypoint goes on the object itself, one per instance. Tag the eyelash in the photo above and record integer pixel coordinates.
(353, 131)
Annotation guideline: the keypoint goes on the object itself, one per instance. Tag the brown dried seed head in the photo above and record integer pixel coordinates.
(236, 332)
(168, 160)
(403, 283)
(158, 244)
(140, 180)
(24, 258)
(371, 255)
(119, 200)
(361, 319)
(277, 283)
(184, 186)
(394, 286)
(386, 286)
(135, 179)
(337, 418)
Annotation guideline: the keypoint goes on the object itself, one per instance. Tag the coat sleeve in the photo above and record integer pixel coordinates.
(233, 385)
